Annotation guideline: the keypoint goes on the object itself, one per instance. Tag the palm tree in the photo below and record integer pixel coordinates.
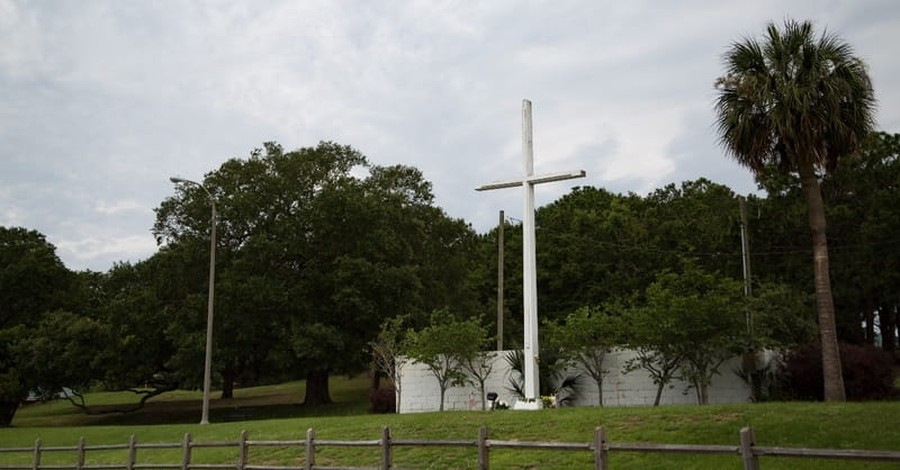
(798, 103)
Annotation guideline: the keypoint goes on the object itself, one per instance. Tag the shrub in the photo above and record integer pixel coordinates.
(867, 373)
(383, 400)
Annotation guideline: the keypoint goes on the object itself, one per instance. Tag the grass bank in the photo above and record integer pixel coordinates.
(847, 425)
(350, 397)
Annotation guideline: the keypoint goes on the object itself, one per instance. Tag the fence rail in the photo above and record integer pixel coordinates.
(747, 450)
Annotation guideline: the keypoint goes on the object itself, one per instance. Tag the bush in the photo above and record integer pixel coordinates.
(383, 400)
(867, 373)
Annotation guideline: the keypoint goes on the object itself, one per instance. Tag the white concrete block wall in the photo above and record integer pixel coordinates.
(420, 391)
(637, 388)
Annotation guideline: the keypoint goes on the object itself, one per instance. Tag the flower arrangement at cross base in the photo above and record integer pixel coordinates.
(549, 401)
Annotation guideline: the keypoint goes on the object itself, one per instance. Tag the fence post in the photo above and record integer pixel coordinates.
(310, 448)
(386, 451)
(186, 452)
(79, 462)
(600, 455)
(747, 443)
(132, 453)
(36, 461)
(242, 451)
(484, 458)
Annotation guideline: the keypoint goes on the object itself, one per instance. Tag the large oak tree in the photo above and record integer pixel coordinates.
(317, 247)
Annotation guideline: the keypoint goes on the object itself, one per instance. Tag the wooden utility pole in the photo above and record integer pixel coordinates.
(500, 282)
(745, 256)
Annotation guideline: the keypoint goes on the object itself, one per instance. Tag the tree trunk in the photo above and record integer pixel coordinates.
(228, 379)
(869, 317)
(7, 412)
(376, 378)
(659, 390)
(599, 391)
(831, 358)
(703, 392)
(888, 317)
(317, 392)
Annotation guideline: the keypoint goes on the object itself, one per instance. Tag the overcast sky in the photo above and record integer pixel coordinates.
(102, 101)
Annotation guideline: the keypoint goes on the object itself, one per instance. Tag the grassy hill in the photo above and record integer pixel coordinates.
(280, 417)
(183, 407)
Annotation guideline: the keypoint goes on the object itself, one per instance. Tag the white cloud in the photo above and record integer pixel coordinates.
(104, 100)
(20, 42)
(115, 207)
(131, 248)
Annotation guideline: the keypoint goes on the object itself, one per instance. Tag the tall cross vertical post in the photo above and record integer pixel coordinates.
(529, 257)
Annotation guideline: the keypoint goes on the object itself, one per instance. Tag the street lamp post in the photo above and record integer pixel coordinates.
(207, 366)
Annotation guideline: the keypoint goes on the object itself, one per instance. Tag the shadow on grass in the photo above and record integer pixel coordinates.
(188, 412)
(273, 402)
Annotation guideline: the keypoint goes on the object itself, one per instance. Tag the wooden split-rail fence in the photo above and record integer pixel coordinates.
(747, 450)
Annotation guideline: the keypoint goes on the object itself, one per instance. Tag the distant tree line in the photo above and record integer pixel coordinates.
(318, 248)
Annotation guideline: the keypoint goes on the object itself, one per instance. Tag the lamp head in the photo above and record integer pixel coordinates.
(177, 180)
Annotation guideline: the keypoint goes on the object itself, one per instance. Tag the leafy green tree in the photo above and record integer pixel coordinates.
(64, 351)
(389, 352)
(585, 337)
(473, 356)
(696, 220)
(781, 317)
(13, 390)
(799, 103)
(441, 347)
(863, 219)
(653, 355)
(648, 335)
(692, 321)
(593, 246)
(33, 282)
(318, 247)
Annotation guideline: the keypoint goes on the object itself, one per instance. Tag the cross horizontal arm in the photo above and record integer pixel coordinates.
(535, 179)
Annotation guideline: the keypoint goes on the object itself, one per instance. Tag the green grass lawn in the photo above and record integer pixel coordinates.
(279, 416)
(183, 407)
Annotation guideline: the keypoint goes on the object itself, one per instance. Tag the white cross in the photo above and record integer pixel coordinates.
(529, 258)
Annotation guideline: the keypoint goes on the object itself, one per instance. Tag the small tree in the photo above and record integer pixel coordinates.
(476, 362)
(699, 320)
(389, 352)
(655, 355)
(700, 316)
(439, 347)
(479, 368)
(585, 338)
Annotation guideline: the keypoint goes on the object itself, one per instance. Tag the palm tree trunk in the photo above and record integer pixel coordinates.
(831, 358)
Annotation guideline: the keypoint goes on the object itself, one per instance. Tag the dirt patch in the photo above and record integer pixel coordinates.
(728, 417)
(630, 422)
